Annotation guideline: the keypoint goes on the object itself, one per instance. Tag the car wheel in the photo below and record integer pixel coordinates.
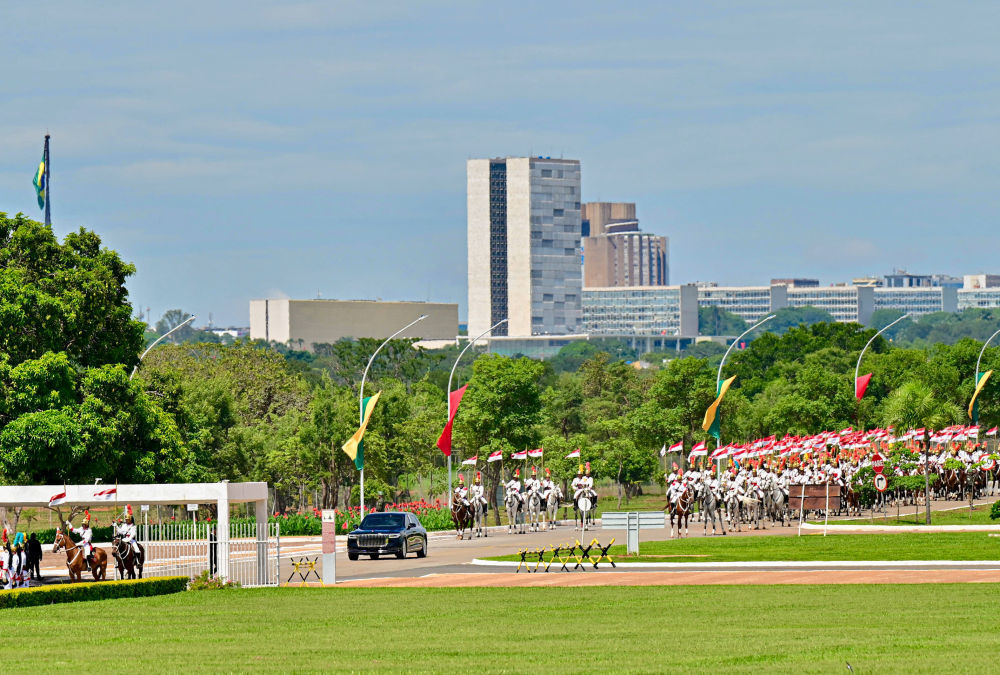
(352, 556)
(422, 553)
(401, 553)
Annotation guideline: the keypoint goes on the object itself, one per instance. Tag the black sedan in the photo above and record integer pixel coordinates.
(388, 532)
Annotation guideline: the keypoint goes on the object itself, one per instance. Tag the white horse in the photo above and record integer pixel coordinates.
(478, 518)
(552, 506)
(584, 509)
(534, 510)
(514, 507)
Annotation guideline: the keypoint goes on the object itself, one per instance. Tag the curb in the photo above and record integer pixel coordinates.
(758, 564)
(901, 529)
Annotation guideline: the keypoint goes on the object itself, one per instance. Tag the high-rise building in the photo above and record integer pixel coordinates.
(524, 245)
(616, 253)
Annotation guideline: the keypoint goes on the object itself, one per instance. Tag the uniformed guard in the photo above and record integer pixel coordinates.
(577, 483)
(86, 537)
(513, 487)
(476, 492)
(461, 491)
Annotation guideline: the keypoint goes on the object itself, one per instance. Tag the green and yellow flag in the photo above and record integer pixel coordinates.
(711, 423)
(354, 447)
(39, 182)
(974, 404)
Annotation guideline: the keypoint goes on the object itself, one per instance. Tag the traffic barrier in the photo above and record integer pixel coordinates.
(564, 555)
(304, 563)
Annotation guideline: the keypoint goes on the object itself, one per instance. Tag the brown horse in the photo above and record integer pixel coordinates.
(462, 516)
(681, 509)
(126, 560)
(75, 561)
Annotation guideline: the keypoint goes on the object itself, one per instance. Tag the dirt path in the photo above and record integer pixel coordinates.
(683, 578)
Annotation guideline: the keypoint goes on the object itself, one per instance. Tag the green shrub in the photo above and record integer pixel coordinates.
(995, 511)
(206, 582)
(102, 590)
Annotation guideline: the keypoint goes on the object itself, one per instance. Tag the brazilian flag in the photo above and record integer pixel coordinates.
(974, 404)
(711, 423)
(39, 182)
(355, 447)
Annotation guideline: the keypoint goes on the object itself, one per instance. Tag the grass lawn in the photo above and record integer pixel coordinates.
(979, 516)
(917, 546)
(906, 628)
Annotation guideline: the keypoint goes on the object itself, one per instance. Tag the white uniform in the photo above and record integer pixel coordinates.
(128, 532)
(5, 574)
(86, 537)
(460, 494)
(477, 494)
(513, 487)
(577, 486)
(547, 487)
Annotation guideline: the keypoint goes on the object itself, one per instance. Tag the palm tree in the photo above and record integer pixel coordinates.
(913, 406)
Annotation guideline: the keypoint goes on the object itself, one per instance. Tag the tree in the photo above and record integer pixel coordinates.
(913, 406)
(717, 321)
(170, 320)
(791, 317)
(68, 412)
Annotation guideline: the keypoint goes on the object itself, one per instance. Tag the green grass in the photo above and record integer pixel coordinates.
(979, 516)
(903, 546)
(880, 628)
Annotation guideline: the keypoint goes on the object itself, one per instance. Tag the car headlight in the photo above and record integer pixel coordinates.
(352, 536)
(395, 536)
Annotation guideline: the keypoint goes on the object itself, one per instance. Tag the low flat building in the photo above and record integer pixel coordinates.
(846, 304)
(303, 323)
(979, 298)
(641, 311)
(917, 301)
(750, 303)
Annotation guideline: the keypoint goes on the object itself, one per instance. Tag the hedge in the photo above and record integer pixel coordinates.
(104, 590)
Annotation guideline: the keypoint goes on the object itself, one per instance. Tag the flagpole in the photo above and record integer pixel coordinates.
(975, 381)
(447, 394)
(48, 185)
(361, 401)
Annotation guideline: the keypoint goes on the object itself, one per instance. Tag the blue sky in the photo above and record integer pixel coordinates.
(242, 150)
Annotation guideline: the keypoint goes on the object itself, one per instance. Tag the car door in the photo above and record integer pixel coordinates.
(414, 541)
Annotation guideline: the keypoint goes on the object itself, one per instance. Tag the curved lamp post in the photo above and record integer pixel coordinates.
(982, 351)
(718, 377)
(448, 393)
(159, 340)
(361, 396)
(857, 368)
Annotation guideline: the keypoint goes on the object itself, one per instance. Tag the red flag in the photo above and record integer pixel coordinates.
(444, 440)
(860, 385)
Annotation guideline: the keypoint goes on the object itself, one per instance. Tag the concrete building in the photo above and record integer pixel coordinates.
(980, 298)
(524, 245)
(844, 303)
(796, 283)
(303, 323)
(971, 281)
(917, 301)
(641, 311)
(616, 253)
(750, 303)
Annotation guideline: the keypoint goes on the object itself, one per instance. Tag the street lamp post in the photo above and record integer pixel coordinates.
(718, 377)
(857, 368)
(975, 382)
(361, 397)
(159, 340)
(448, 393)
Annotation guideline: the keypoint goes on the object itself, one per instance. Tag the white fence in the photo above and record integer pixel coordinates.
(250, 554)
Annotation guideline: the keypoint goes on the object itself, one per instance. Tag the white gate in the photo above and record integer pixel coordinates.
(188, 549)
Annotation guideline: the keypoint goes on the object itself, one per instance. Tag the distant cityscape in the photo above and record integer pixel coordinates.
(560, 269)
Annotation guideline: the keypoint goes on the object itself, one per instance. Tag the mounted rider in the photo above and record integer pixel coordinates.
(677, 486)
(477, 493)
(532, 484)
(577, 483)
(513, 487)
(5, 555)
(86, 537)
(461, 492)
(127, 530)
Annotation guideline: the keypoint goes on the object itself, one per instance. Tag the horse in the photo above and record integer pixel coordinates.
(461, 515)
(710, 507)
(775, 504)
(478, 518)
(552, 506)
(514, 507)
(753, 508)
(584, 509)
(681, 510)
(75, 561)
(534, 510)
(127, 561)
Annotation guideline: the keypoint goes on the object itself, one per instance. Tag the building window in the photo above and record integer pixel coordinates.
(546, 173)
(557, 212)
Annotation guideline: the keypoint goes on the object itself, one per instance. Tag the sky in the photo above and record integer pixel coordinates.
(239, 150)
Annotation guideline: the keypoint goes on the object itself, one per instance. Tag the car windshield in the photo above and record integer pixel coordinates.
(379, 521)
